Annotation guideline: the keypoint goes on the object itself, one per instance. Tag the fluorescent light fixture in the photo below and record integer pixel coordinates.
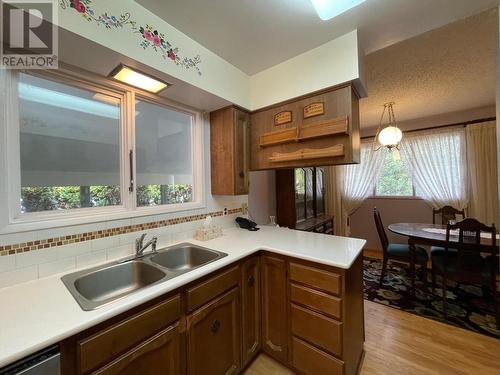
(327, 9)
(134, 78)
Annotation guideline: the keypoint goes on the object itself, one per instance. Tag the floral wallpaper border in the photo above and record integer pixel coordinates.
(150, 37)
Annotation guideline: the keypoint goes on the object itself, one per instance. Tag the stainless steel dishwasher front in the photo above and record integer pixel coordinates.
(46, 362)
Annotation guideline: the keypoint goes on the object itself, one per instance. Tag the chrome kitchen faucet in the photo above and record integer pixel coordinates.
(140, 247)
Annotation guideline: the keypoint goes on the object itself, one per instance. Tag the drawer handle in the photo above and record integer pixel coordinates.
(251, 281)
(215, 326)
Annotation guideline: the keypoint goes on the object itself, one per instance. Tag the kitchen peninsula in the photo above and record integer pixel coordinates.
(297, 296)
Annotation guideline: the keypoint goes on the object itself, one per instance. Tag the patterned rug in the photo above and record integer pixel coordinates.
(466, 307)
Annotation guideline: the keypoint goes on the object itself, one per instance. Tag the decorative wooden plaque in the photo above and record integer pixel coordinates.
(283, 117)
(314, 109)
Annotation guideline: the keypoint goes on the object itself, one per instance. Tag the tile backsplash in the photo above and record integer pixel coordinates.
(32, 259)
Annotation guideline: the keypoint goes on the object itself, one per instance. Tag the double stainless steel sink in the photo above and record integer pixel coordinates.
(101, 285)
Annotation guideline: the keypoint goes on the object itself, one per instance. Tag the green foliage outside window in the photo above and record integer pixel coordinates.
(153, 195)
(394, 179)
(35, 199)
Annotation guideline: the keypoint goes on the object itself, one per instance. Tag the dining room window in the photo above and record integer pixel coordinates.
(395, 179)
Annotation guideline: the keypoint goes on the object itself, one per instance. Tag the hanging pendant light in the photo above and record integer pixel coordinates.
(388, 135)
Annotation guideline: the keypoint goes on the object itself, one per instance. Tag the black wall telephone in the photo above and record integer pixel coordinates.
(247, 224)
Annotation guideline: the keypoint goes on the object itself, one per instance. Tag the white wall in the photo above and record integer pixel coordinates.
(262, 196)
(218, 76)
(333, 63)
(327, 65)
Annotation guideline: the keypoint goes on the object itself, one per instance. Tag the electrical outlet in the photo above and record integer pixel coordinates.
(225, 211)
(244, 208)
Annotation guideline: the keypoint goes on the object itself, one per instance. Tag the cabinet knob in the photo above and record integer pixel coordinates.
(250, 280)
(215, 326)
(242, 174)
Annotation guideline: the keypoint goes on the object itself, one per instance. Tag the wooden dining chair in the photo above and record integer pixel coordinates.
(447, 213)
(397, 252)
(467, 260)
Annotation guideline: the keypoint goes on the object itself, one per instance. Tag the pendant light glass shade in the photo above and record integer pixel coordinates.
(390, 136)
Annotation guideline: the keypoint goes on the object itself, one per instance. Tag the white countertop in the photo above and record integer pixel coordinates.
(42, 312)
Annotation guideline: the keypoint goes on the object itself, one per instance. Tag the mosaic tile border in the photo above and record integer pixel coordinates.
(88, 236)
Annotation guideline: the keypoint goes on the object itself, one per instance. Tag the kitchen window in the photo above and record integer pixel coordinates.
(163, 143)
(69, 146)
(87, 149)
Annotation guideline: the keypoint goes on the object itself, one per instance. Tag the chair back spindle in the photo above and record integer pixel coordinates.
(384, 241)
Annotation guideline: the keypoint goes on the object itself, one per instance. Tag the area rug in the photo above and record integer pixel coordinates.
(466, 306)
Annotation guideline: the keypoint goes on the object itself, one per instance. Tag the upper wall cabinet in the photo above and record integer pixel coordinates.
(229, 151)
(316, 130)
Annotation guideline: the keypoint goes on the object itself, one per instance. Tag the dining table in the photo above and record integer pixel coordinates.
(428, 234)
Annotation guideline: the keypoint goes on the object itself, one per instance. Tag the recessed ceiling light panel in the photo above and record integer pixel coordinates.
(327, 9)
(134, 78)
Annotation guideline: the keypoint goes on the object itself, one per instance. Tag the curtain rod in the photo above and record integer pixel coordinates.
(464, 124)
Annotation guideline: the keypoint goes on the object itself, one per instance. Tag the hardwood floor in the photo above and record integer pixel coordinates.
(402, 343)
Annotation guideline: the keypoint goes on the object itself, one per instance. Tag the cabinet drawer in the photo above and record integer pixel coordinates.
(208, 290)
(318, 301)
(158, 355)
(312, 361)
(317, 329)
(319, 279)
(104, 346)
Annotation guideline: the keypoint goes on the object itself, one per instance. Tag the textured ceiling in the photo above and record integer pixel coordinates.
(444, 70)
(256, 34)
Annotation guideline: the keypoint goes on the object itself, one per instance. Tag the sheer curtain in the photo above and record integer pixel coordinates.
(438, 164)
(482, 165)
(349, 185)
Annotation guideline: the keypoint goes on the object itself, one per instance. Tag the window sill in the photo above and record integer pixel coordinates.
(396, 197)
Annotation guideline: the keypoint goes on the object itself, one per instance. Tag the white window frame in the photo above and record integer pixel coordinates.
(13, 221)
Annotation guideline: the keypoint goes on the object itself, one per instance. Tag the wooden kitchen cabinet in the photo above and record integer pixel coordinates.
(326, 313)
(274, 307)
(213, 337)
(158, 355)
(317, 129)
(306, 315)
(250, 309)
(229, 151)
(149, 334)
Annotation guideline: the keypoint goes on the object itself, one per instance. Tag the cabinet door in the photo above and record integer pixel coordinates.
(250, 308)
(158, 355)
(274, 308)
(241, 151)
(213, 337)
